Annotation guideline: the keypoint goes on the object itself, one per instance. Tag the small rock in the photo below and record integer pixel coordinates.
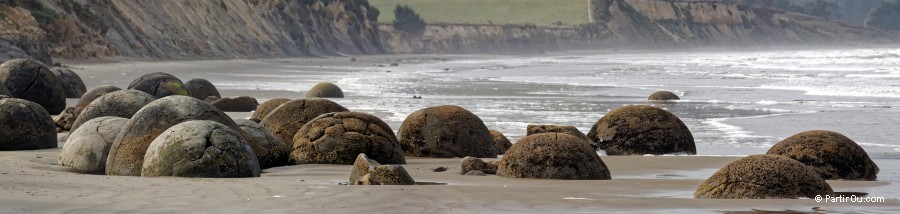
(475, 173)
(471, 164)
(395, 64)
(439, 169)
(369, 172)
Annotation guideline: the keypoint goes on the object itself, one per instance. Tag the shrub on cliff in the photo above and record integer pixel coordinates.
(408, 21)
(886, 17)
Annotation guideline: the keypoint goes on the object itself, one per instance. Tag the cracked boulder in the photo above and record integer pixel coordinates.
(270, 151)
(265, 108)
(200, 148)
(764, 177)
(369, 172)
(570, 130)
(289, 117)
(235, 104)
(641, 130)
(31, 80)
(337, 138)
(86, 149)
(159, 85)
(72, 84)
(552, 156)
(201, 88)
(122, 103)
(127, 152)
(445, 132)
(663, 96)
(25, 125)
(325, 90)
(501, 143)
(831, 154)
(92, 95)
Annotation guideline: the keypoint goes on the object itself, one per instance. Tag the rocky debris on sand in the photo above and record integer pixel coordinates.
(369, 172)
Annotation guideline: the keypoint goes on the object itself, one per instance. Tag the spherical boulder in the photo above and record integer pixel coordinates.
(663, 96)
(127, 152)
(236, 104)
(30, 80)
(640, 130)
(570, 130)
(72, 84)
(831, 154)
(201, 88)
(552, 156)
(24, 125)
(445, 132)
(123, 103)
(86, 149)
(92, 95)
(501, 143)
(339, 137)
(289, 117)
(764, 176)
(265, 108)
(325, 90)
(200, 148)
(270, 151)
(159, 84)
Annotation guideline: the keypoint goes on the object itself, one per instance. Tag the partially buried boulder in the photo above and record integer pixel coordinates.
(123, 103)
(30, 80)
(86, 149)
(570, 130)
(92, 95)
(369, 172)
(640, 130)
(65, 119)
(127, 152)
(470, 164)
(445, 132)
(289, 117)
(200, 148)
(764, 176)
(501, 143)
(265, 108)
(159, 84)
(236, 104)
(201, 88)
(24, 125)
(72, 84)
(325, 90)
(270, 151)
(337, 138)
(831, 154)
(663, 96)
(552, 156)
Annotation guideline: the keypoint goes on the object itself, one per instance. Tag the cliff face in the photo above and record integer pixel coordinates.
(209, 28)
(522, 39)
(20, 36)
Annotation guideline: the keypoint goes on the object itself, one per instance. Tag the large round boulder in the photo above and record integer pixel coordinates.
(325, 90)
(265, 108)
(831, 154)
(663, 96)
(764, 176)
(552, 156)
(86, 149)
(24, 125)
(501, 143)
(127, 152)
(123, 103)
(235, 104)
(570, 130)
(200, 148)
(72, 84)
(289, 117)
(159, 84)
(640, 130)
(270, 151)
(92, 95)
(4, 91)
(338, 138)
(31, 80)
(201, 88)
(445, 132)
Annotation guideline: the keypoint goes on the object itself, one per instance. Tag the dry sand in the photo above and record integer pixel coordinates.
(32, 182)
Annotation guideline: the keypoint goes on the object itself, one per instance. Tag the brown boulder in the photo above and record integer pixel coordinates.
(72, 85)
(369, 172)
(470, 164)
(122, 103)
(159, 84)
(445, 132)
(325, 90)
(337, 138)
(24, 125)
(663, 96)
(289, 117)
(265, 108)
(831, 154)
(201, 88)
(640, 130)
(200, 148)
(236, 104)
(270, 151)
(501, 143)
(764, 176)
(32, 81)
(570, 130)
(65, 119)
(552, 156)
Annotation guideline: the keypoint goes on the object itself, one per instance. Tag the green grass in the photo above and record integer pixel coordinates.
(538, 12)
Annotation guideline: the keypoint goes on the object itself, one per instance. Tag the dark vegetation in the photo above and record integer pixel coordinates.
(408, 21)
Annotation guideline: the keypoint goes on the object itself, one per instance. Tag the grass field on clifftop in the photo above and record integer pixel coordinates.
(539, 12)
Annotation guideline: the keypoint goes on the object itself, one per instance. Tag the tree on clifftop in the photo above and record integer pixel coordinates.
(408, 21)
(886, 17)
